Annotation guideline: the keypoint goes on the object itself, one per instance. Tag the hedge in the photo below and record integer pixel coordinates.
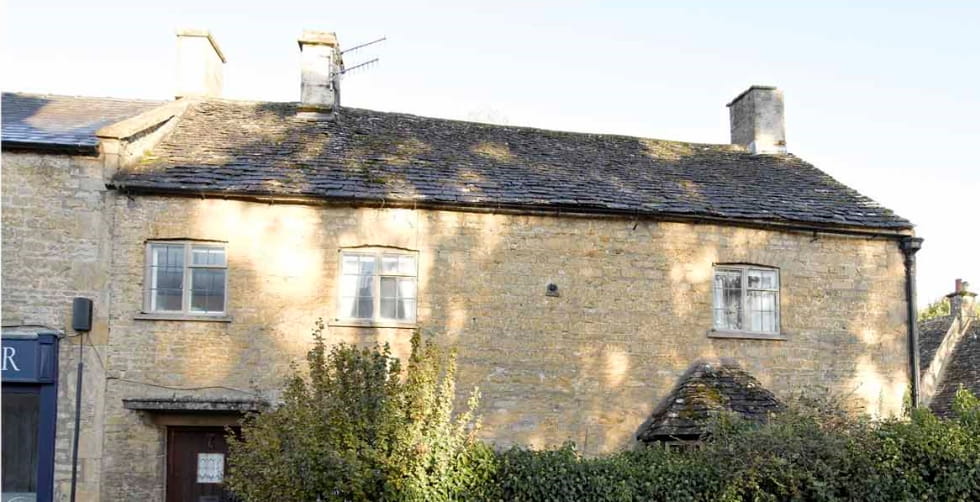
(356, 426)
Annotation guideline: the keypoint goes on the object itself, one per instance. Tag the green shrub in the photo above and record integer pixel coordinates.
(815, 450)
(357, 428)
(927, 458)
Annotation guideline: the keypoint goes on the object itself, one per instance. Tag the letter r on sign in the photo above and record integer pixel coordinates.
(8, 356)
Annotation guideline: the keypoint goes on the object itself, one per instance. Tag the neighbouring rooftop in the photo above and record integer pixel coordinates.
(62, 123)
(961, 367)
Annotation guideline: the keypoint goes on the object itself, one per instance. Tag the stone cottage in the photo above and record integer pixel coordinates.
(579, 275)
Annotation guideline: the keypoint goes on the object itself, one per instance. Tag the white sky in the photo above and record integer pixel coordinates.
(884, 98)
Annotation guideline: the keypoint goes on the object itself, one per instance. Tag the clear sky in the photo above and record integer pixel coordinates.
(884, 97)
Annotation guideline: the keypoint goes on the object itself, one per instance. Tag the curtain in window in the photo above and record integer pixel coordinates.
(357, 282)
(728, 299)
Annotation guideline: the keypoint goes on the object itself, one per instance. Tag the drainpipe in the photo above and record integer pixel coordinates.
(909, 246)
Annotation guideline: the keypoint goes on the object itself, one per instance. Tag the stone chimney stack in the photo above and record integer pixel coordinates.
(321, 67)
(200, 64)
(757, 120)
(962, 303)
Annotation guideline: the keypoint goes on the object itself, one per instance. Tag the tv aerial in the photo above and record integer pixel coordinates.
(364, 64)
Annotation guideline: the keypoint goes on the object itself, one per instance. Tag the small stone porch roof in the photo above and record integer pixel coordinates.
(706, 391)
(186, 405)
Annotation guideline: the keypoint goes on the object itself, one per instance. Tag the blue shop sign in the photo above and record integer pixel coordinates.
(29, 360)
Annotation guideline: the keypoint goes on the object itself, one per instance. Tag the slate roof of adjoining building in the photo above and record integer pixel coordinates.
(931, 335)
(706, 391)
(963, 366)
(62, 123)
(263, 149)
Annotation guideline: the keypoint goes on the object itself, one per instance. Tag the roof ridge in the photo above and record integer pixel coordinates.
(724, 146)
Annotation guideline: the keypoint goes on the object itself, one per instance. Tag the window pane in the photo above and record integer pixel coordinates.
(388, 287)
(207, 290)
(406, 288)
(406, 310)
(389, 264)
(350, 264)
(348, 285)
(208, 255)
(388, 308)
(166, 277)
(762, 306)
(357, 286)
(367, 265)
(167, 300)
(365, 285)
(406, 265)
(168, 255)
(365, 307)
(20, 446)
(727, 299)
(761, 279)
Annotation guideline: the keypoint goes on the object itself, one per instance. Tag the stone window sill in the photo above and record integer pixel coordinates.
(359, 323)
(747, 335)
(143, 316)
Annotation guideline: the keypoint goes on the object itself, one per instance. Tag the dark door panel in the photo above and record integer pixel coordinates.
(196, 460)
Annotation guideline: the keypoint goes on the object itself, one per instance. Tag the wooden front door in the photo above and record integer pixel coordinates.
(196, 461)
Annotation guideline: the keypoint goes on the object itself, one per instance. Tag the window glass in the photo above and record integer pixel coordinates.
(728, 299)
(357, 283)
(389, 264)
(208, 255)
(406, 265)
(350, 264)
(167, 277)
(378, 285)
(208, 290)
(746, 299)
(762, 308)
(177, 286)
(761, 279)
(20, 445)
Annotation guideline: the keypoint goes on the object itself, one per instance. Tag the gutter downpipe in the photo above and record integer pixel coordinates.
(910, 246)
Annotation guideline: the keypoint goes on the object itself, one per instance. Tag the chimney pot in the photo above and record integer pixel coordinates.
(200, 64)
(321, 66)
(757, 122)
(962, 301)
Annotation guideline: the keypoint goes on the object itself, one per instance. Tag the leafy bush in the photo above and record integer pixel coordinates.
(927, 458)
(358, 428)
(655, 474)
(815, 450)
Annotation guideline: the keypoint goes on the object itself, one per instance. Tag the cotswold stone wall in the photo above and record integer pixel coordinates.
(589, 365)
(56, 247)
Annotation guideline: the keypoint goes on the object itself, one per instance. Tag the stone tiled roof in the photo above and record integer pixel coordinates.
(931, 335)
(962, 368)
(264, 149)
(703, 393)
(66, 123)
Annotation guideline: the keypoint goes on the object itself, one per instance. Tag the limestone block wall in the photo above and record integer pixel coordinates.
(589, 365)
(56, 244)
